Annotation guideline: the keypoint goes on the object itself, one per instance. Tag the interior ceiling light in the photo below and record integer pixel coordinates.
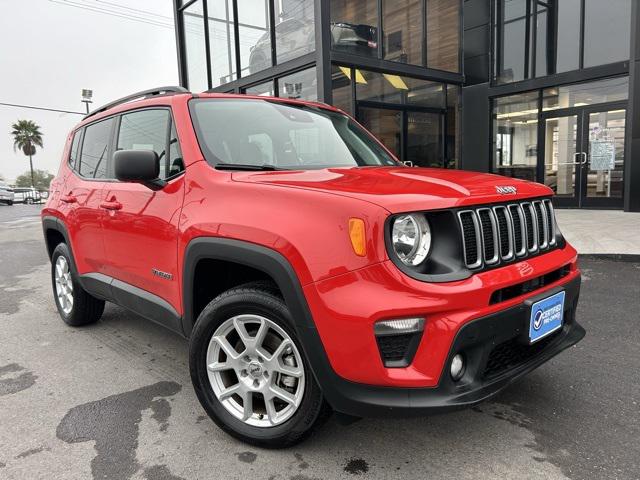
(396, 81)
(359, 77)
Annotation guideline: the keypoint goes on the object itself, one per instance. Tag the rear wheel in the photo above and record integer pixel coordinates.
(75, 305)
(249, 371)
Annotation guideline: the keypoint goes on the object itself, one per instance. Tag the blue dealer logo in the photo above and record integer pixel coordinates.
(537, 320)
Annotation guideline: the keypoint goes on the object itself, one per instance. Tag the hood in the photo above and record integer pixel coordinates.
(402, 189)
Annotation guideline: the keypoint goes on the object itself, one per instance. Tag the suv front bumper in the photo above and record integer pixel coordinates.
(499, 335)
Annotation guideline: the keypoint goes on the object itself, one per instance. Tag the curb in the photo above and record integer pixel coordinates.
(616, 257)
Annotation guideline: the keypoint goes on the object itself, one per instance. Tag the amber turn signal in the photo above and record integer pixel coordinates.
(356, 233)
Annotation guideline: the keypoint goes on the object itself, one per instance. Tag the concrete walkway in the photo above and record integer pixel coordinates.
(601, 231)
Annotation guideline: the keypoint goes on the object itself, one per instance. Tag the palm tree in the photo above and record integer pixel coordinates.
(26, 136)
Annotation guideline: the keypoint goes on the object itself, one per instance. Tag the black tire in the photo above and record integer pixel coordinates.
(259, 298)
(86, 309)
(10, 202)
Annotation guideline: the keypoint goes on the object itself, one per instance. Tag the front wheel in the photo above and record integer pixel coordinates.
(249, 371)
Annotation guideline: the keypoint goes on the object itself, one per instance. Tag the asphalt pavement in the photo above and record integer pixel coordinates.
(114, 400)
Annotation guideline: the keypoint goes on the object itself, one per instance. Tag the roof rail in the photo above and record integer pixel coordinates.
(134, 96)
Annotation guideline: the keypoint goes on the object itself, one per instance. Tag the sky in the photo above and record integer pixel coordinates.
(52, 49)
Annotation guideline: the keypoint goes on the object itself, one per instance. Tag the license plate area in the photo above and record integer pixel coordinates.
(546, 316)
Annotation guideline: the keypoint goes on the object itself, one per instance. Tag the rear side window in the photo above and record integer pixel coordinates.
(152, 130)
(95, 146)
(75, 144)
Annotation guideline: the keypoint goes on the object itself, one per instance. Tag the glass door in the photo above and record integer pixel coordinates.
(603, 170)
(413, 134)
(386, 125)
(582, 159)
(562, 157)
(424, 145)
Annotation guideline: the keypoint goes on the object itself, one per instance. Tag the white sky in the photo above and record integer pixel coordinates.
(50, 51)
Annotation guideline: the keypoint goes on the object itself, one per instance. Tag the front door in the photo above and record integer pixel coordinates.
(140, 224)
(582, 155)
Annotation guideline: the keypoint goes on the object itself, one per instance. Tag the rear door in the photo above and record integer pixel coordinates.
(140, 225)
(82, 195)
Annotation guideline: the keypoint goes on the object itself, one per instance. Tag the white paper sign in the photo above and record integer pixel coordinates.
(603, 155)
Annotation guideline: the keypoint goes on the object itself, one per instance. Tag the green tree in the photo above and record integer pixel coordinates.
(26, 137)
(39, 179)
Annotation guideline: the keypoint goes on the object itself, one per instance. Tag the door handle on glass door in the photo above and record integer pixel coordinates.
(584, 158)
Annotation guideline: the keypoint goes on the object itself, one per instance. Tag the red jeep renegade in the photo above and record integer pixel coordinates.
(309, 269)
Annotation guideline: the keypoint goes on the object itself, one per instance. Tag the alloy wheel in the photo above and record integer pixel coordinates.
(255, 370)
(64, 285)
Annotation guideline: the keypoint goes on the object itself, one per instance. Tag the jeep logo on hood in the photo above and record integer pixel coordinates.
(506, 189)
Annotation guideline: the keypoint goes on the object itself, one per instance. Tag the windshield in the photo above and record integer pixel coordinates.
(282, 135)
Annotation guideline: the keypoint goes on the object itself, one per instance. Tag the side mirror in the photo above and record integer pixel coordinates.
(141, 166)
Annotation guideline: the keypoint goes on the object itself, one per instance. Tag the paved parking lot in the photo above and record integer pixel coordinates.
(114, 400)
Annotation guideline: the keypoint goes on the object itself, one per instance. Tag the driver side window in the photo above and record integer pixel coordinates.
(151, 129)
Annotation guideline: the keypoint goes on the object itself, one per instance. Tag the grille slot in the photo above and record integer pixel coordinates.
(505, 232)
(541, 219)
(530, 223)
(489, 235)
(494, 235)
(470, 238)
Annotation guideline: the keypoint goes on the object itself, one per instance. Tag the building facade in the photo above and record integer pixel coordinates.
(542, 90)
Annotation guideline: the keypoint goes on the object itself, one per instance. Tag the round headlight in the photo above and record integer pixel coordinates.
(411, 238)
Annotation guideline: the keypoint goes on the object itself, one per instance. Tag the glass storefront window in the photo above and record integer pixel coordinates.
(341, 88)
(254, 37)
(535, 38)
(262, 89)
(389, 88)
(581, 94)
(402, 28)
(221, 41)
(443, 34)
(452, 127)
(295, 29)
(300, 85)
(195, 52)
(515, 135)
(607, 28)
(354, 26)
(558, 39)
(512, 40)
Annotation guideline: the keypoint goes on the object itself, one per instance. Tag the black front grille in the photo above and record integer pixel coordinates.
(498, 234)
(513, 353)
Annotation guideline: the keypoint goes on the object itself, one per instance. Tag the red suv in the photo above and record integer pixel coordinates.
(309, 269)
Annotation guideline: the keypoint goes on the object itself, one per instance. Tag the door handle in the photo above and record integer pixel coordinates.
(584, 161)
(68, 198)
(113, 205)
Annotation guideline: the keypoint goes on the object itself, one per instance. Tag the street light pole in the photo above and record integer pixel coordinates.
(86, 98)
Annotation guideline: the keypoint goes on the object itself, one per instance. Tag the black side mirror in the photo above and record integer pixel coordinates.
(141, 166)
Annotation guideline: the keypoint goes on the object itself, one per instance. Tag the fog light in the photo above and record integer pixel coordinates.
(457, 367)
(400, 326)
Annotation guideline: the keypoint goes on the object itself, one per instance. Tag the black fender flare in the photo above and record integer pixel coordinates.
(280, 270)
(50, 222)
(251, 255)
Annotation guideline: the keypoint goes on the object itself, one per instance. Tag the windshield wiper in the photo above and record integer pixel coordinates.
(246, 167)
